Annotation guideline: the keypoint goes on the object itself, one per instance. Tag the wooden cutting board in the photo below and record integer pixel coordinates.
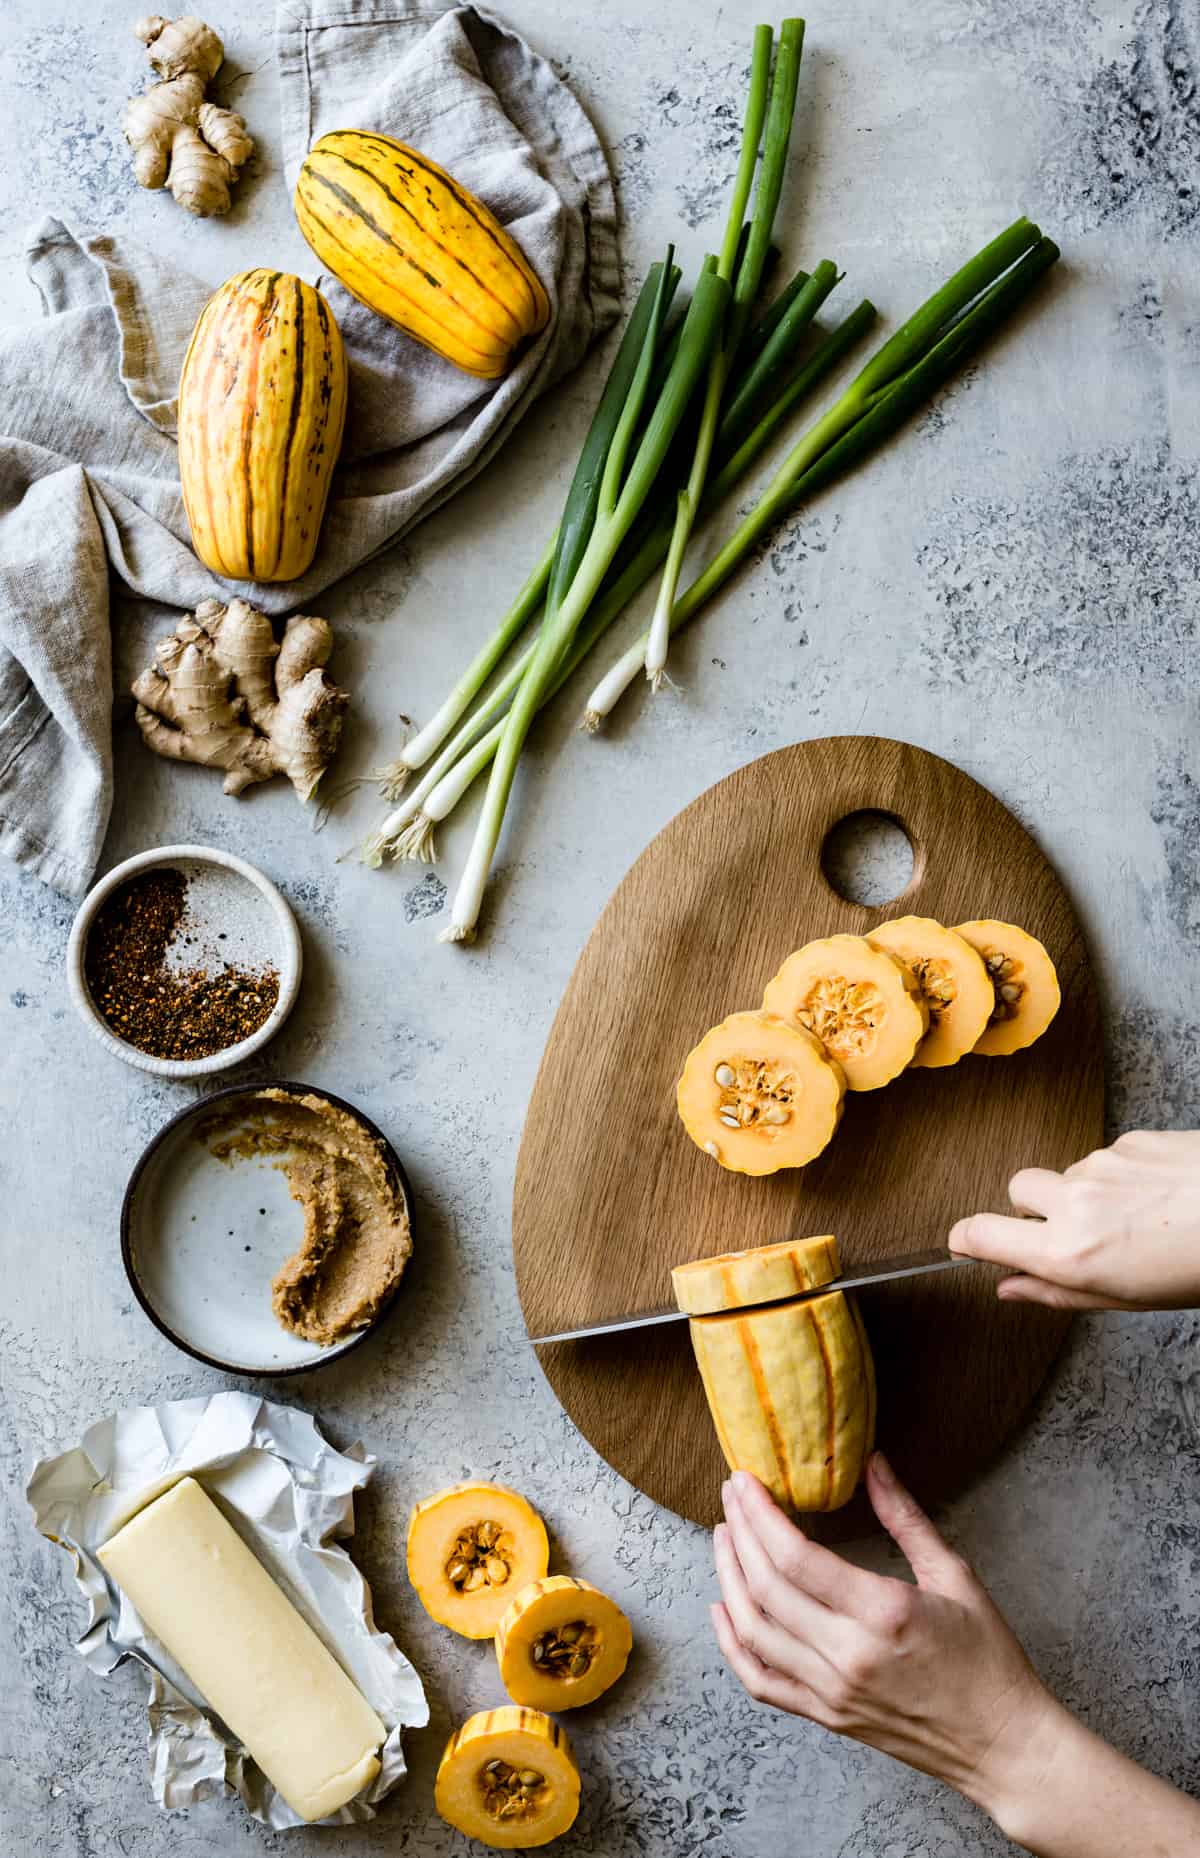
(610, 1192)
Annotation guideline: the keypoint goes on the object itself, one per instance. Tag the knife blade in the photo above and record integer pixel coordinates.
(910, 1264)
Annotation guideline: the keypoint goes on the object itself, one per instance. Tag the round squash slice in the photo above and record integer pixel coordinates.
(508, 1778)
(470, 1549)
(954, 985)
(1025, 986)
(561, 1644)
(758, 1095)
(863, 1004)
(765, 1274)
(791, 1390)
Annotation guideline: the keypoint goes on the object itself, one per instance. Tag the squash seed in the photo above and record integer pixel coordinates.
(724, 1076)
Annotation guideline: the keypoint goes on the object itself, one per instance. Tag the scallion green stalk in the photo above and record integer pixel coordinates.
(777, 115)
(621, 497)
(898, 378)
(411, 827)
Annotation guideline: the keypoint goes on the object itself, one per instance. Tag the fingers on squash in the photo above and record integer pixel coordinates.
(1025, 987)
(470, 1549)
(758, 1094)
(955, 985)
(862, 1003)
(509, 1779)
(791, 1390)
(561, 1644)
(765, 1274)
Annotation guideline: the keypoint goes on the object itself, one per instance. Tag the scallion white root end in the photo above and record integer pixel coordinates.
(415, 845)
(392, 780)
(458, 932)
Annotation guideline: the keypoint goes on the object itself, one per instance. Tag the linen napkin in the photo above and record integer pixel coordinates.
(89, 485)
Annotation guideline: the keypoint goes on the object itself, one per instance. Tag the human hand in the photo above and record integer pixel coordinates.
(930, 1674)
(1118, 1231)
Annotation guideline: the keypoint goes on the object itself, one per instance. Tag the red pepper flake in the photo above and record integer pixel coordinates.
(168, 1011)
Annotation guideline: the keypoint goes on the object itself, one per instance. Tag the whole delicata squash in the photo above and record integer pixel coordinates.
(561, 1644)
(757, 1094)
(862, 1003)
(764, 1274)
(791, 1390)
(1025, 986)
(954, 984)
(262, 403)
(413, 244)
(509, 1779)
(470, 1549)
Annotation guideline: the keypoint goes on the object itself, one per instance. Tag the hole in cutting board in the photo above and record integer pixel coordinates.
(867, 858)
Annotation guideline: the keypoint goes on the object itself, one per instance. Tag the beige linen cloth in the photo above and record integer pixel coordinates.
(89, 484)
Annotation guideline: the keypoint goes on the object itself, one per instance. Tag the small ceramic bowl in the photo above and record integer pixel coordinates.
(227, 898)
(201, 1240)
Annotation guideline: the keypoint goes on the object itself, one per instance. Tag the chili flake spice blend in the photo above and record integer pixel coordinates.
(150, 997)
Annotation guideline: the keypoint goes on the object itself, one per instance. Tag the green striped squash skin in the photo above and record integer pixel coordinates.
(412, 244)
(262, 405)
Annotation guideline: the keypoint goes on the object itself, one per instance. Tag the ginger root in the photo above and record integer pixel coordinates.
(225, 693)
(178, 139)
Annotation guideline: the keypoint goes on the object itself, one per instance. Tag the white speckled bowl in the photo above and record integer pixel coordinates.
(260, 924)
(202, 1239)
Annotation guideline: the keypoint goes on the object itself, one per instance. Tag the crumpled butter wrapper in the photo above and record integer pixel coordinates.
(291, 1496)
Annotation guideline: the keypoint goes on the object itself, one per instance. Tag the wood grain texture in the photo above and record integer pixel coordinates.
(610, 1192)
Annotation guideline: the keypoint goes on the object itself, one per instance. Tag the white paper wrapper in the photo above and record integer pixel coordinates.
(291, 1495)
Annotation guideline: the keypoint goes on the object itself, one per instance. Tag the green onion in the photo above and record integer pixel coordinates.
(621, 496)
(778, 117)
(408, 832)
(560, 553)
(898, 378)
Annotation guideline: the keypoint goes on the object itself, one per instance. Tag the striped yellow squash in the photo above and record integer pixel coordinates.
(407, 240)
(791, 1389)
(262, 403)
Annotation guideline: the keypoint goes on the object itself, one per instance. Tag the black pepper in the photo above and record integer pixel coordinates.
(165, 1009)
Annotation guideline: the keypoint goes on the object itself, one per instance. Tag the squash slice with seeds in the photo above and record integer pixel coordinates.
(509, 1779)
(561, 1643)
(470, 1549)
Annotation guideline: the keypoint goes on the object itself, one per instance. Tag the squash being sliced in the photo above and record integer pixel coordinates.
(508, 1778)
(1025, 986)
(791, 1390)
(561, 1644)
(764, 1274)
(862, 1003)
(470, 1549)
(757, 1094)
(954, 984)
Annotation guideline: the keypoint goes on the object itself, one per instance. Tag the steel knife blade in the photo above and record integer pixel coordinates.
(911, 1264)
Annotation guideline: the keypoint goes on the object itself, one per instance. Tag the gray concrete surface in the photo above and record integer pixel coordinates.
(1012, 585)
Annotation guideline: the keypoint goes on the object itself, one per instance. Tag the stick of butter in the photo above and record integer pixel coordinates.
(254, 1660)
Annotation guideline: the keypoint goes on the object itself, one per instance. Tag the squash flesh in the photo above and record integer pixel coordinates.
(954, 984)
(470, 1549)
(862, 1003)
(561, 1644)
(763, 1274)
(757, 1094)
(791, 1389)
(481, 1772)
(1017, 965)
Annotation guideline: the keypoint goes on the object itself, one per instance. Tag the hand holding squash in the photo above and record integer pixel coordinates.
(930, 1674)
(1120, 1230)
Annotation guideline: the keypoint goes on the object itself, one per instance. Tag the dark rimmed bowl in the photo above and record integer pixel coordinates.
(201, 1240)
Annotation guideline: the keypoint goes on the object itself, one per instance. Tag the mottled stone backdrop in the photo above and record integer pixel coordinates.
(1012, 584)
